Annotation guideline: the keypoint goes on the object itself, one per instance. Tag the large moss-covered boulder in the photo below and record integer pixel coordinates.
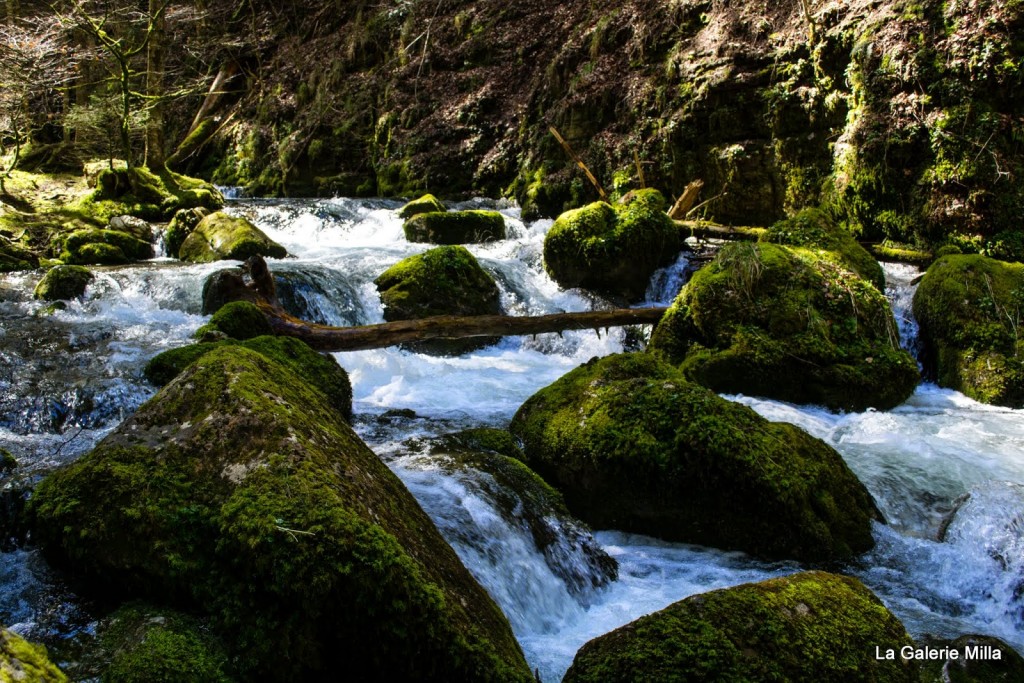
(219, 236)
(633, 445)
(455, 227)
(153, 194)
(319, 369)
(612, 250)
(442, 281)
(428, 203)
(240, 492)
(21, 660)
(151, 645)
(63, 282)
(971, 309)
(811, 626)
(181, 226)
(791, 323)
(104, 247)
(980, 659)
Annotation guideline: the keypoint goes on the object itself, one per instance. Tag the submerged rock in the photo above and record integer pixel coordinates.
(455, 227)
(442, 281)
(811, 626)
(790, 323)
(21, 660)
(612, 250)
(104, 247)
(970, 309)
(63, 282)
(219, 236)
(428, 203)
(238, 491)
(633, 445)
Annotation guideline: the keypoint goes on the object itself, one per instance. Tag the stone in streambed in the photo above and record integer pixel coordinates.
(219, 236)
(455, 227)
(428, 203)
(63, 283)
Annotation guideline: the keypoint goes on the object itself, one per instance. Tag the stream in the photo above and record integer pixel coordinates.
(68, 378)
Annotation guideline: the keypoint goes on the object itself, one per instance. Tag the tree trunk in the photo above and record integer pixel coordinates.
(154, 87)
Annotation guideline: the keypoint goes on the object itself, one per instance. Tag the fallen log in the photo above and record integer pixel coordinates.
(706, 230)
(327, 338)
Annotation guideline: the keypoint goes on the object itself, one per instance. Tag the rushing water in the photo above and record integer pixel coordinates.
(69, 377)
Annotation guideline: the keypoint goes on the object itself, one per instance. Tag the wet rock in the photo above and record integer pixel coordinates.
(980, 659)
(455, 227)
(219, 236)
(810, 626)
(104, 247)
(633, 445)
(63, 283)
(136, 227)
(240, 493)
(225, 286)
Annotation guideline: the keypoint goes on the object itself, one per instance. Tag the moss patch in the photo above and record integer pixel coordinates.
(104, 247)
(455, 227)
(810, 626)
(633, 445)
(612, 249)
(238, 320)
(219, 236)
(21, 660)
(970, 309)
(428, 203)
(63, 282)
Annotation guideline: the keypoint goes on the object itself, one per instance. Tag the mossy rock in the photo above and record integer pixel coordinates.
(526, 500)
(320, 370)
(153, 645)
(238, 320)
(154, 195)
(132, 225)
(239, 492)
(104, 247)
(815, 230)
(428, 203)
(633, 445)
(1008, 668)
(7, 461)
(455, 227)
(970, 309)
(442, 281)
(225, 286)
(14, 257)
(21, 660)
(180, 227)
(787, 323)
(62, 283)
(219, 236)
(612, 250)
(811, 626)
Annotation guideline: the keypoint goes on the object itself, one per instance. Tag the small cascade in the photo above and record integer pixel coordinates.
(899, 289)
(666, 282)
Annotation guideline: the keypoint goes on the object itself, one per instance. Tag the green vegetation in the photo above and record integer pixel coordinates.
(180, 227)
(633, 445)
(1009, 668)
(428, 203)
(258, 506)
(970, 309)
(104, 247)
(219, 236)
(7, 461)
(237, 320)
(810, 626)
(24, 661)
(612, 249)
(455, 227)
(63, 282)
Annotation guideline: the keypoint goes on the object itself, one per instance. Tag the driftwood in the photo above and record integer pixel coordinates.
(259, 289)
(707, 230)
(579, 162)
(686, 201)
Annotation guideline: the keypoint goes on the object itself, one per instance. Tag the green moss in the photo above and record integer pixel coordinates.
(455, 227)
(1008, 668)
(428, 203)
(180, 227)
(238, 320)
(970, 309)
(788, 323)
(63, 282)
(239, 492)
(7, 461)
(24, 661)
(146, 194)
(167, 365)
(150, 645)
(219, 236)
(810, 626)
(633, 445)
(104, 247)
(15, 257)
(612, 250)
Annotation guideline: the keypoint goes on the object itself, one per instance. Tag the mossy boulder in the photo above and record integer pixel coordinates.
(455, 227)
(152, 645)
(237, 320)
(15, 257)
(7, 461)
(134, 226)
(612, 250)
(180, 227)
(787, 323)
(442, 281)
(21, 660)
(62, 283)
(633, 445)
(428, 203)
(319, 369)
(970, 309)
(152, 195)
(239, 491)
(104, 247)
(1008, 668)
(219, 236)
(489, 459)
(811, 626)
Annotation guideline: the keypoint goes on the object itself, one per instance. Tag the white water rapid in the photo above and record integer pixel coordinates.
(68, 378)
